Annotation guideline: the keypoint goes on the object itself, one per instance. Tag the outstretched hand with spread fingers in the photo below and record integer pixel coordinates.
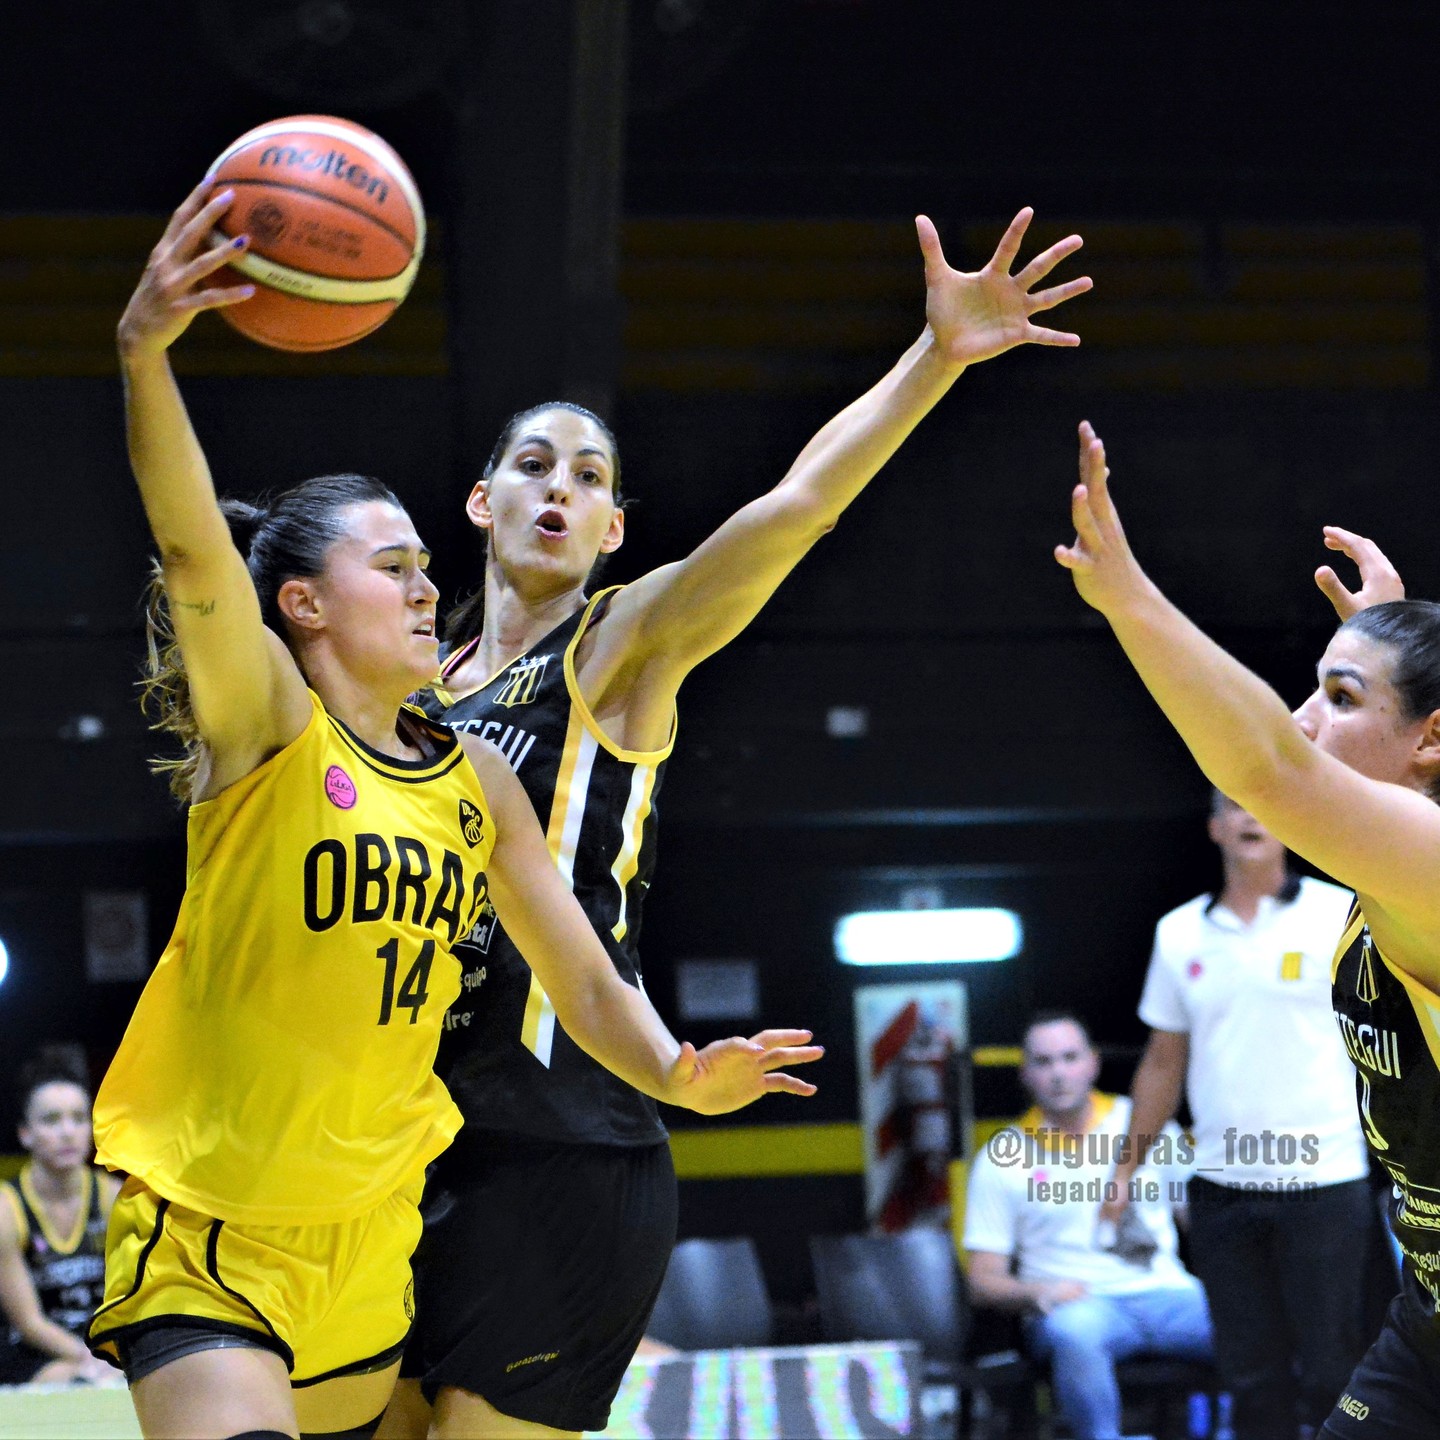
(730, 1074)
(172, 291)
(1379, 580)
(977, 315)
(1100, 560)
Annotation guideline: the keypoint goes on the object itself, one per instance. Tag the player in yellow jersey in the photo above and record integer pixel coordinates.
(273, 1101)
(1350, 781)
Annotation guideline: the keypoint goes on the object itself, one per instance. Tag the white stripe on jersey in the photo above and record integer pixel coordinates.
(575, 806)
(538, 1031)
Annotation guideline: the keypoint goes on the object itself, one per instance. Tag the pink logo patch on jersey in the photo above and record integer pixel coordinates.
(1194, 969)
(339, 788)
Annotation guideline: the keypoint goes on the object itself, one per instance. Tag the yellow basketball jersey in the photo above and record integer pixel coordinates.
(277, 1069)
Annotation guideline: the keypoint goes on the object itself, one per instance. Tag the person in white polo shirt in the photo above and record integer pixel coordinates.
(1238, 1001)
(1091, 1293)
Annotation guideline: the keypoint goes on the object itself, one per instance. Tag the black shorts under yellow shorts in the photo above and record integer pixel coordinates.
(330, 1300)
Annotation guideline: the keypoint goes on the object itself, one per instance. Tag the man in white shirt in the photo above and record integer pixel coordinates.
(1036, 1246)
(1238, 998)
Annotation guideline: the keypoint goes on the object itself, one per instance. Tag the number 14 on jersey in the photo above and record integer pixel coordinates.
(414, 991)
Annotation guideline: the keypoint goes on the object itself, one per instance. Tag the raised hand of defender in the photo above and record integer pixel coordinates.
(1100, 560)
(980, 314)
(1379, 580)
(730, 1074)
(172, 291)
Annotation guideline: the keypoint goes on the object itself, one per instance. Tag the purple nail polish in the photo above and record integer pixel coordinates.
(240, 241)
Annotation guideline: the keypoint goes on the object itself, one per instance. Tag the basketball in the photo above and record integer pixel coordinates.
(336, 231)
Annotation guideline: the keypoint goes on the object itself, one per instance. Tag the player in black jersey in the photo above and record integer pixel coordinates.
(555, 1210)
(1350, 781)
(52, 1233)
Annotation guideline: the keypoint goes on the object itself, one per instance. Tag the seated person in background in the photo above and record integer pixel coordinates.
(1089, 1294)
(52, 1232)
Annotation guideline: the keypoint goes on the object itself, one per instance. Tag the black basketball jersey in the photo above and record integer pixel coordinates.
(510, 1067)
(68, 1271)
(1391, 1026)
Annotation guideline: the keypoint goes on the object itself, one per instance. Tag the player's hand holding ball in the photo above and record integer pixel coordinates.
(335, 228)
(178, 281)
(306, 234)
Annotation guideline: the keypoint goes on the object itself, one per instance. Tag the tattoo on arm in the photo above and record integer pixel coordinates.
(200, 607)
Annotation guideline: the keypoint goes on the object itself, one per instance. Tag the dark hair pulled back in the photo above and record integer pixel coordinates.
(284, 538)
(1411, 630)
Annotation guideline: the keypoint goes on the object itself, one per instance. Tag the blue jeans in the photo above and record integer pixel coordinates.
(1084, 1338)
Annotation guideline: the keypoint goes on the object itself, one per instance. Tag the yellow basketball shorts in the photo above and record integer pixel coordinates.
(328, 1299)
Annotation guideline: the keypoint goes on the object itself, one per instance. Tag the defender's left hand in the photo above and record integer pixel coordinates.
(977, 315)
(730, 1074)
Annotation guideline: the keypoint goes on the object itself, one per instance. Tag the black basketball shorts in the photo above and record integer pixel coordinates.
(1394, 1392)
(537, 1273)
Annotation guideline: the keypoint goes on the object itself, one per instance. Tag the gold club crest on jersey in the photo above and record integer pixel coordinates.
(522, 681)
(1365, 988)
(472, 823)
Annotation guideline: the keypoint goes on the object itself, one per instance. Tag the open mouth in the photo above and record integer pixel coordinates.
(426, 628)
(551, 524)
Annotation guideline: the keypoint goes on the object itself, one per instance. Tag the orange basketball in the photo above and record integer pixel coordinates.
(336, 231)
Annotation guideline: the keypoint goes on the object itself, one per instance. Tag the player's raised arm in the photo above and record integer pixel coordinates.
(611, 1021)
(245, 691)
(681, 613)
(1342, 781)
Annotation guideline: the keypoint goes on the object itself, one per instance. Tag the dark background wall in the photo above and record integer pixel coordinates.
(1258, 186)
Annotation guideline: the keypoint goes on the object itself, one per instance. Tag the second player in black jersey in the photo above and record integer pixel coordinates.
(553, 1216)
(598, 805)
(1350, 782)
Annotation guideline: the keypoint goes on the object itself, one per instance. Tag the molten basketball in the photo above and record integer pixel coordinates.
(336, 231)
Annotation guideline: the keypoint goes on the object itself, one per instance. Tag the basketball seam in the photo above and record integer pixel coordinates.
(347, 131)
(330, 199)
